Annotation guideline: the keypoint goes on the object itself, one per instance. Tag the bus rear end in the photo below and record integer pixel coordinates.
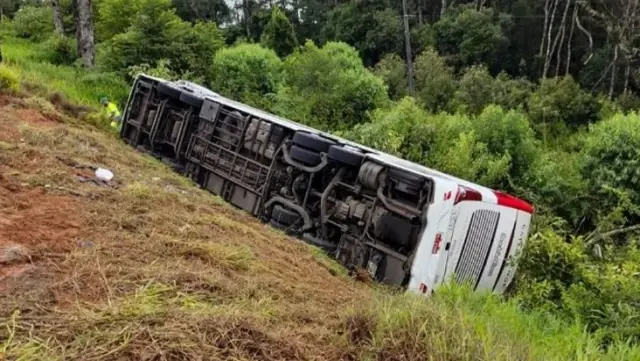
(476, 242)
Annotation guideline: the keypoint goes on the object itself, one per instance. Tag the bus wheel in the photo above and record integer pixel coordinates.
(312, 142)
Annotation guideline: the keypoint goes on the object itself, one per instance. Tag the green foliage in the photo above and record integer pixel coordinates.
(561, 101)
(329, 87)
(455, 144)
(393, 70)
(507, 133)
(512, 93)
(468, 36)
(9, 79)
(247, 72)
(434, 80)
(612, 152)
(116, 16)
(161, 70)
(422, 38)
(475, 90)
(59, 50)
(557, 276)
(158, 33)
(33, 22)
(208, 10)
(279, 34)
(371, 26)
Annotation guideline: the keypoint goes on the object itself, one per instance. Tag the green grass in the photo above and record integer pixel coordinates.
(78, 85)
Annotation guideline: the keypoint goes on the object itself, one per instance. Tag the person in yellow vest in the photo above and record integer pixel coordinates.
(113, 112)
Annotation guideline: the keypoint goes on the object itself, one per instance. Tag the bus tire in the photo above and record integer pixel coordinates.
(284, 216)
(345, 156)
(312, 142)
(305, 156)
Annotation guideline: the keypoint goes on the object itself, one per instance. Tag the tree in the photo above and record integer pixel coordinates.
(329, 87)
(57, 17)
(84, 31)
(203, 10)
(561, 101)
(371, 26)
(434, 81)
(247, 73)
(475, 90)
(157, 33)
(33, 22)
(8, 8)
(279, 34)
(393, 70)
(116, 16)
(468, 36)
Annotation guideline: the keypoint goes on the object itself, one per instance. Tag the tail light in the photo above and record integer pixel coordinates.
(467, 194)
(513, 202)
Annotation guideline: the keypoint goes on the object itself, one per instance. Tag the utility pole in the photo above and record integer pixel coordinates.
(407, 42)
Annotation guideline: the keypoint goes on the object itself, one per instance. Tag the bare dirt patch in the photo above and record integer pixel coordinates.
(37, 219)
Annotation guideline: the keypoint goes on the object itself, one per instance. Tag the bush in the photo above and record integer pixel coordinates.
(33, 22)
(247, 73)
(9, 79)
(116, 16)
(475, 90)
(279, 34)
(329, 87)
(561, 101)
(445, 142)
(158, 33)
(468, 36)
(507, 133)
(59, 50)
(560, 276)
(612, 150)
(393, 70)
(435, 84)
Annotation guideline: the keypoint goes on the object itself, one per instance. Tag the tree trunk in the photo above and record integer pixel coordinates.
(573, 26)
(57, 17)
(84, 31)
(544, 30)
(612, 84)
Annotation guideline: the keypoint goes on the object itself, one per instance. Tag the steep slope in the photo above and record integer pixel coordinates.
(147, 266)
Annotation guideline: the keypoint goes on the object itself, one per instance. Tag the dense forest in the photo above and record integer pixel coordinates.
(533, 97)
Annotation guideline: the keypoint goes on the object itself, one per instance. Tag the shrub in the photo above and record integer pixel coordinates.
(158, 33)
(559, 276)
(562, 101)
(33, 22)
(9, 79)
(393, 70)
(434, 80)
(468, 36)
(475, 90)
(279, 34)
(116, 16)
(507, 133)
(59, 50)
(246, 72)
(612, 150)
(329, 87)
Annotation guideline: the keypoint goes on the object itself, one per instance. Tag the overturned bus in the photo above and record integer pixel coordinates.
(403, 223)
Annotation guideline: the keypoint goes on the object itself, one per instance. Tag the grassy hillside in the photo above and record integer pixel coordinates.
(149, 267)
